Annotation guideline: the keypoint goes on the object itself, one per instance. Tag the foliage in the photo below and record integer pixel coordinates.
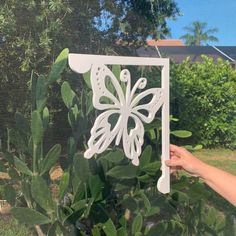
(105, 195)
(198, 34)
(28, 167)
(203, 97)
(33, 32)
(10, 227)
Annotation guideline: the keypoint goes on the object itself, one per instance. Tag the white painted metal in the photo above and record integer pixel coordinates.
(126, 106)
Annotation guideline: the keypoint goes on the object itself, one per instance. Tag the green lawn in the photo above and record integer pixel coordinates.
(221, 158)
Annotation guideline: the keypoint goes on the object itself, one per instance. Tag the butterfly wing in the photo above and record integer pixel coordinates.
(100, 76)
(133, 140)
(102, 133)
(146, 112)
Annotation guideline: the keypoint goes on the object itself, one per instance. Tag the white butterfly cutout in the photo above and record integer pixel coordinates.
(126, 106)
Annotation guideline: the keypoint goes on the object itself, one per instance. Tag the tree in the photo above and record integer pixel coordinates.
(198, 34)
(33, 32)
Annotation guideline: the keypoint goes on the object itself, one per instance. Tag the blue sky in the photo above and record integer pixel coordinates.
(218, 14)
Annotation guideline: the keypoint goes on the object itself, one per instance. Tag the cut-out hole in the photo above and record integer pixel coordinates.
(113, 119)
(110, 86)
(105, 100)
(144, 112)
(99, 129)
(145, 100)
(135, 147)
(130, 124)
(97, 138)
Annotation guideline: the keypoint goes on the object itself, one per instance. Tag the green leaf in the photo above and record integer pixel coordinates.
(96, 231)
(173, 119)
(146, 201)
(22, 167)
(63, 213)
(145, 178)
(137, 224)
(71, 147)
(45, 118)
(29, 217)
(122, 232)
(123, 172)
(138, 234)
(89, 103)
(17, 140)
(75, 111)
(152, 167)
(192, 148)
(58, 66)
(198, 147)
(109, 228)
(79, 205)
(9, 157)
(86, 77)
(25, 188)
(181, 133)
(21, 123)
(41, 93)
(10, 194)
(155, 124)
(152, 134)
(2, 167)
(96, 186)
(88, 207)
(116, 71)
(51, 158)
(67, 94)
(41, 193)
(13, 173)
(36, 127)
(159, 229)
(64, 182)
(114, 156)
(52, 229)
(146, 156)
(33, 82)
(81, 167)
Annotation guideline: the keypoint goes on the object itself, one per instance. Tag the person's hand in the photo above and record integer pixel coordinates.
(181, 159)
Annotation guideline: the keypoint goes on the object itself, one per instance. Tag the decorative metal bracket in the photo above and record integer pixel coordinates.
(125, 104)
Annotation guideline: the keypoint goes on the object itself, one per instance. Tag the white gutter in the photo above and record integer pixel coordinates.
(217, 49)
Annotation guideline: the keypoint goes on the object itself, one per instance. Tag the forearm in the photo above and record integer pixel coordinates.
(220, 181)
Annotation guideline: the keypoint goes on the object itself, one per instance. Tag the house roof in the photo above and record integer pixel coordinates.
(180, 53)
(165, 42)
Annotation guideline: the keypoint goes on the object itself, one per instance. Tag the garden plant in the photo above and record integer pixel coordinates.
(105, 195)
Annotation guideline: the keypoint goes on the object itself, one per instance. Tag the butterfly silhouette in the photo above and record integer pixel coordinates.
(126, 105)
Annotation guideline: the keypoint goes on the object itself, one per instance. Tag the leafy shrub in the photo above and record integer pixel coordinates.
(204, 99)
(105, 195)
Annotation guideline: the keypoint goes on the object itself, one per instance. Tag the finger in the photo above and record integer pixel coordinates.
(179, 151)
(174, 157)
(174, 150)
(174, 162)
